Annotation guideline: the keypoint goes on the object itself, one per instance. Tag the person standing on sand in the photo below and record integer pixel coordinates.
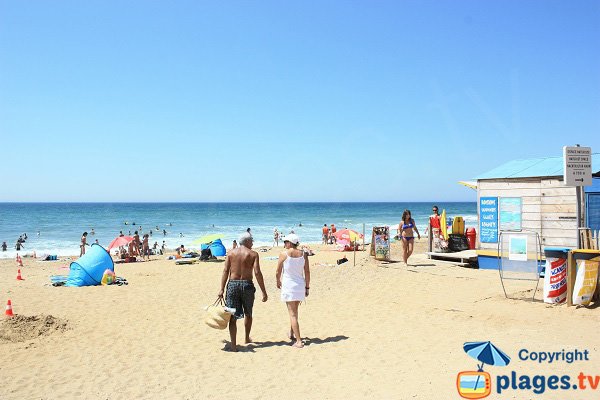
(275, 238)
(240, 265)
(407, 226)
(136, 244)
(293, 278)
(146, 248)
(325, 234)
(83, 244)
(434, 219)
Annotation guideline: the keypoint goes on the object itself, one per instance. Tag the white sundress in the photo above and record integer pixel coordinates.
(293, 285)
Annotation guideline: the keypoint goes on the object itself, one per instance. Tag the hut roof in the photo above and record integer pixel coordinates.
(534, 167)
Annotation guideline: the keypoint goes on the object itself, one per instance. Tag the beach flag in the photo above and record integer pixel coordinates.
(19, 260)
(19, 277)
(9, 311)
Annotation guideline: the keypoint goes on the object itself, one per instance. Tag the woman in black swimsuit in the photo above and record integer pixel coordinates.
(408, 239)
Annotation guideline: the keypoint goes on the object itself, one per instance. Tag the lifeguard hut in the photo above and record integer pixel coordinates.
(530, 195)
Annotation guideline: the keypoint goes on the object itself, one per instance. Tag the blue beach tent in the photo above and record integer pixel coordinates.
(88, 269)
(216, 248)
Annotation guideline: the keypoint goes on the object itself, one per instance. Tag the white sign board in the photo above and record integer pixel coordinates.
(577, 166)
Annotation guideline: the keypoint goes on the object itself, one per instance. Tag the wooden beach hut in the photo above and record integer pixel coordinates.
(530, 195)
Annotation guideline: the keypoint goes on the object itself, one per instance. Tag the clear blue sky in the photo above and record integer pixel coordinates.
(287, 101)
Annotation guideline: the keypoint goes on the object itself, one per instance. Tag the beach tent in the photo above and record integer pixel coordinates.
(88, 269)
(216, 248)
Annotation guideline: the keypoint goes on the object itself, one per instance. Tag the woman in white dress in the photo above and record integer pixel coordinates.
(293, 278)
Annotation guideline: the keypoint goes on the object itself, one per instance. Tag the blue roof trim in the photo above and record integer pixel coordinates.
(533, 167)
(595, 188)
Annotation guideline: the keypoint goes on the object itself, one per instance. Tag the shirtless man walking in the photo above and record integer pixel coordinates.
(240, 265)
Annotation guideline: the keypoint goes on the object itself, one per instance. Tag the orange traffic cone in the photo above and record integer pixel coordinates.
(19, 261)
(9, 312)
(19, 277)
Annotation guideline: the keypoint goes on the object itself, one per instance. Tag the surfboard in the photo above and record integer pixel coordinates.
(458, 226)
(443, 224)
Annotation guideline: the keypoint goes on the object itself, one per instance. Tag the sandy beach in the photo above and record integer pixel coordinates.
(375, 330)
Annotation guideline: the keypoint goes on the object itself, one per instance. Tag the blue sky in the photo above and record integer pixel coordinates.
(288, 101)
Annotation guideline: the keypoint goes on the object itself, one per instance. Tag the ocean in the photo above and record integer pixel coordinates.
(56, 228)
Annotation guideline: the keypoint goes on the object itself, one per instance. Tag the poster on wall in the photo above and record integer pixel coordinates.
(517, 248)
(488, 220)
(510, 213)
(382, 242)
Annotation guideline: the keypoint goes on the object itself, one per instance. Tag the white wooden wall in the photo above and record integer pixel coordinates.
(549, 208)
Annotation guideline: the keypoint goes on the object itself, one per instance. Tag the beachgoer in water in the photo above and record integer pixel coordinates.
(4, 246)
(92, 232)
(407, 225)
(325, 234)
(275, 237)
(248, 231)
(96, 241)
(293, 278)
(164, 232)
(240, 266)
(121, 234)
(83, 244)
(19, 245)
(234, 245)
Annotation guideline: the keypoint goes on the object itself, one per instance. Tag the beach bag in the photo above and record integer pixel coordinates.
(457, 242)
(108, 278)
(217, 316)
(205, 255)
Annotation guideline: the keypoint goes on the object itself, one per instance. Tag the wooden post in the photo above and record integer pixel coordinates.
(578, 191)
(571, 273)
(355, 244)
(430, 244)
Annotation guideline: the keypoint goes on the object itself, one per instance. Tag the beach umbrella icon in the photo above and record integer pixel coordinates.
(487, 353)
